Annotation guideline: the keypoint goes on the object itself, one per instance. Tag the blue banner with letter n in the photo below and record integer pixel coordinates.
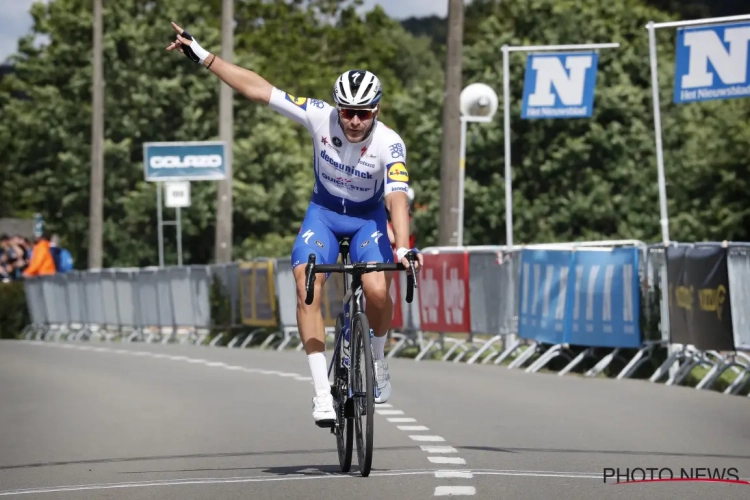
(559, 85)
(712, 62)
(587, 297)
(184, 161)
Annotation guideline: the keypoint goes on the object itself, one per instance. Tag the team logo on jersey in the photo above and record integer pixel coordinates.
(397, 173)
(298, 101)
(337, 142)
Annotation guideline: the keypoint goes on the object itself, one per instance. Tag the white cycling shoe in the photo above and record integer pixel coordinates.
(383, 381)
(323, 412)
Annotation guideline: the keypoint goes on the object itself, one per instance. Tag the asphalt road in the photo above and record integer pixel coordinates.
(135, 421)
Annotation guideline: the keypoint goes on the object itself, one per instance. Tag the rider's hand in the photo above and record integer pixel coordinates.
(419, 262)
(186, 44)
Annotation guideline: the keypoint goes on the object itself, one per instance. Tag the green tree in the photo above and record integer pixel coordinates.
(589, 178)
(153, 95)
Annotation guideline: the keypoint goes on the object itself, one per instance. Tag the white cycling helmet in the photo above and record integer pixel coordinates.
(357, 87)
(410, 194)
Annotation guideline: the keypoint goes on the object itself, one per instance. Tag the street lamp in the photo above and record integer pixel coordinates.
(478, 103)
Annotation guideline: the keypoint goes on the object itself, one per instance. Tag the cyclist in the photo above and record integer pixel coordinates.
(360, 170)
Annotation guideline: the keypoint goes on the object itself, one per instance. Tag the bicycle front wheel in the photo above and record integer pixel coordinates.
(363, 379)
(343, 430)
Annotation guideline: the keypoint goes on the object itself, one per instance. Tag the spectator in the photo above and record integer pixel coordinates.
(13, 259)
(41, 258)
(61, 256)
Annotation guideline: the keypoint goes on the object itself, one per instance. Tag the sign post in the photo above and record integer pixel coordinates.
(726, 48)
(556, 85)
(175, 164)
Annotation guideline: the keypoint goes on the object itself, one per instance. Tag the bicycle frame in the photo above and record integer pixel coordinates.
(353, 304)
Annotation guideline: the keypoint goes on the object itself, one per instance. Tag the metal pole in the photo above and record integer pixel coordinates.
(664, 220)
(179, 238)
(96, 197)
(224, 204)
(160, 224)
(450, 147)
(508, 181)
(461, 177)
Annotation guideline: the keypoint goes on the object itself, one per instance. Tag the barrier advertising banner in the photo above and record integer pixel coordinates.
(585, 297)
(559, 85)
(444, 293)
(257, 294)
(712, 62)
(699, 300)
(184, 161)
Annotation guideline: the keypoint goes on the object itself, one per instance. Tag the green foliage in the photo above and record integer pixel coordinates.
(154, 95)
(572, 179)
(14, 315)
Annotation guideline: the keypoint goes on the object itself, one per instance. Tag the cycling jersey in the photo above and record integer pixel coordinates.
(350, 178)
(351, 181)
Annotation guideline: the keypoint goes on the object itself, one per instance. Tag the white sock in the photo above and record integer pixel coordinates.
(319, 372)
(378, 347)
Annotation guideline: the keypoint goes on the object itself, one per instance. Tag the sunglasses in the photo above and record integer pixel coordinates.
(362, 114)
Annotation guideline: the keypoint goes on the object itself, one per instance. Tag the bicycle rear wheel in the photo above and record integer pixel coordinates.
(344, 429)
(364, 391)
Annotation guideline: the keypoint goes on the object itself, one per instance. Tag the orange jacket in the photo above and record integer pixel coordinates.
(41, 260)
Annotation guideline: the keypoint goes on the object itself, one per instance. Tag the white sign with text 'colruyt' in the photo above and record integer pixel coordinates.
(712, 62)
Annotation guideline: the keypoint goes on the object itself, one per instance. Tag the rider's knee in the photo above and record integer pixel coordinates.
(302, 295)
(376, 293)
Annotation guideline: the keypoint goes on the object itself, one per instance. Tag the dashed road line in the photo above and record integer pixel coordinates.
(439, 449)
(389, 412)
(396, 420)
(422, 437)
(447, 460)
(443, 491)
(413, 428)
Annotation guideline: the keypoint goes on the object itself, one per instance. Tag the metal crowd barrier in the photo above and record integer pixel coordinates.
(577, 306)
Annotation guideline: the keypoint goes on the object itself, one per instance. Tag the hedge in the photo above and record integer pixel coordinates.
(14, 315)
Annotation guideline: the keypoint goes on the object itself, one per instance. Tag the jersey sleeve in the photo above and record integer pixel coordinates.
(303, 110)
(396, 174)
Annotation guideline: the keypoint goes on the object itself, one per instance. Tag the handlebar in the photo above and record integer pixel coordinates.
(360, 268)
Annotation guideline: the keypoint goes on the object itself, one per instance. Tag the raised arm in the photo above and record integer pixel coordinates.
(246, 82)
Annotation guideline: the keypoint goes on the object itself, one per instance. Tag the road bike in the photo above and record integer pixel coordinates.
(353, 386)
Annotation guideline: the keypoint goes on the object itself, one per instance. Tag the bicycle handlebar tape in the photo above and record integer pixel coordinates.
(310, 279)
(411, 278)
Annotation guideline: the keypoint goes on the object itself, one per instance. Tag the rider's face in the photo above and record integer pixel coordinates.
(357, 121)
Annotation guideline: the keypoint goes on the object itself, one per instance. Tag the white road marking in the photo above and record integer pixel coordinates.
(447, 460)
(289, 374)
(404, 420)
(232, 367)
(444, 491)
(457, 474)
(303, 379)
(439, 449)
(192, 360)
(389, 412)
(384, 405)
(301, 477)
(413, 428)
(216, 363)
(418, 437)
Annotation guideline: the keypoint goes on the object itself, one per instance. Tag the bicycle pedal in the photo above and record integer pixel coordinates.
(325, 424)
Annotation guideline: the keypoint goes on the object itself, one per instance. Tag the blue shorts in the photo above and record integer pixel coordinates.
(322, 229)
